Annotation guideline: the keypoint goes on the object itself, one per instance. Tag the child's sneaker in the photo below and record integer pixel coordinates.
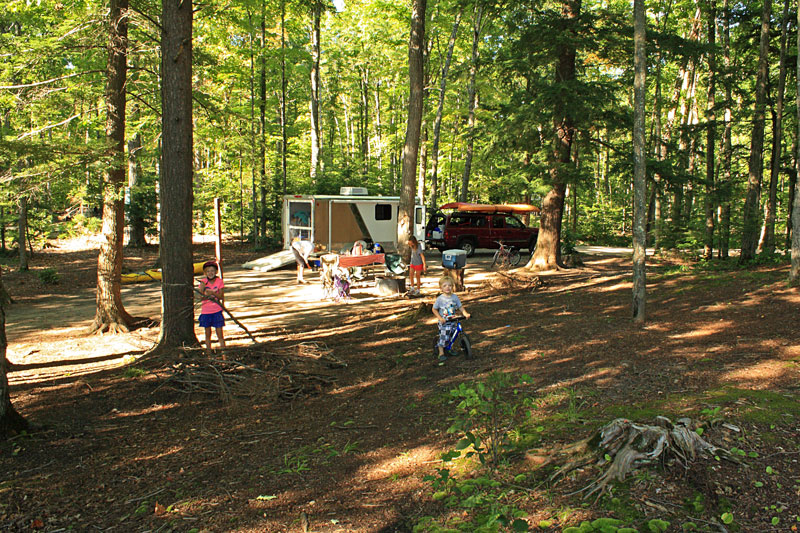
(442, 359)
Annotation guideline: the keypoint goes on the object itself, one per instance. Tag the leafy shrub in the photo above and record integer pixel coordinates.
(48, 276)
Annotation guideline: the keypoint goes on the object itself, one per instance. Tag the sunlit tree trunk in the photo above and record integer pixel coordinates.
(711, 133)
(751, 222)
(472, 98)
(110, 314)
(262, 122)
(437, 122)
(22, 232)
(316, 142)
(177, 302)
(548, 248)
(724, 185)
(794, 272)
(767, 244)
(416, 42)
(639, 162)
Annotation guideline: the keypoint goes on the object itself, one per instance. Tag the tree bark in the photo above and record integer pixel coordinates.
(11, 422)
(136, 238)
(437, 122)
(262, 122)
(639, 162)
(711, 133)
(767, 244)
(472, 97)
(751, 222)
(22, 233)
(316, 141)
(416, 42)
(794, 272)
(548, 248)
(110, 314)
(724, 186)
(177, 295)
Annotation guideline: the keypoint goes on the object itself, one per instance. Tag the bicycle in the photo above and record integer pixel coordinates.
(505, 256)
(458, 345)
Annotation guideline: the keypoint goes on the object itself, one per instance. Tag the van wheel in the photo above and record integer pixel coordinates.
(468, 245)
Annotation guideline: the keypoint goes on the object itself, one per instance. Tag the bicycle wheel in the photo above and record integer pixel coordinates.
(466, 346)
(495, 259)
(514, 257)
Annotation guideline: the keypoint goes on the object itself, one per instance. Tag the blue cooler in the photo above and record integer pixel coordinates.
(454, 258)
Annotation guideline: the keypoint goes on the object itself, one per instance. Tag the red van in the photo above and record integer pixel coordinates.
(470, 230)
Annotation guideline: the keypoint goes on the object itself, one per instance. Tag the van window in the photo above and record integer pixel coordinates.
(418, 216)
(383, 211)
(513, 222)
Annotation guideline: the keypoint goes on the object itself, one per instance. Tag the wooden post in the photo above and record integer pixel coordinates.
(218, 232)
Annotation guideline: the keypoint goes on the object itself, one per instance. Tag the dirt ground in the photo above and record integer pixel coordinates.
(331, 421)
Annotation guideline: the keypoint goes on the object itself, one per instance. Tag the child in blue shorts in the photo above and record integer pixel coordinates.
(210, 310)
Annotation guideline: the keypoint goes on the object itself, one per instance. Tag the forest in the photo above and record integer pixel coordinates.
(132, 131)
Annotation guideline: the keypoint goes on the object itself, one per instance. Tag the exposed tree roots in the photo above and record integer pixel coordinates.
(621, 446)
(516, 280)
(299, 370)
(99, 327)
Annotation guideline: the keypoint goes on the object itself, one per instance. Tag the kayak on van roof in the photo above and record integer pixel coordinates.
(491, 208)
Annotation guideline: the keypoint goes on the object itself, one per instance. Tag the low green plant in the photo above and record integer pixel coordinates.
(133, 372)
(48, 276)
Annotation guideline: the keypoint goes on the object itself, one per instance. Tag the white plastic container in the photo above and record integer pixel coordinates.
(454, 258)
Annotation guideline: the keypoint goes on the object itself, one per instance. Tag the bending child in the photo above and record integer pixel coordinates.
(417, 266)
(447, 305)
(210, 310)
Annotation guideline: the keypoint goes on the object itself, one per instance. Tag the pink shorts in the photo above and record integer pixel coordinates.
(418, 268)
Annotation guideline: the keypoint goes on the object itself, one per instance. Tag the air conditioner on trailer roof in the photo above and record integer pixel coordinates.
(353, 191)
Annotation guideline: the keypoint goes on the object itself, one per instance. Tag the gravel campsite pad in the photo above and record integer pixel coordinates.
(334, 418)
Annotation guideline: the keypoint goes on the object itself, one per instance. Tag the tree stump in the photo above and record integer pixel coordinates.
(458, 276)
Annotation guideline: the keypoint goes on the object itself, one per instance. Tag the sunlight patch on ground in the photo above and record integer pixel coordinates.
(359, 386)
(703, 330)
(761, 375)
(146, 411)
(401, 464)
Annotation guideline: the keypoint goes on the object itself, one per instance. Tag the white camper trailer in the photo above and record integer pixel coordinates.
(336, 222)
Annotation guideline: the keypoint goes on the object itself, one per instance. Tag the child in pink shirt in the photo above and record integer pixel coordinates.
(210, 310)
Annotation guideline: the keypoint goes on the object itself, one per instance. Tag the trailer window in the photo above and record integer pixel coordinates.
(383, 211)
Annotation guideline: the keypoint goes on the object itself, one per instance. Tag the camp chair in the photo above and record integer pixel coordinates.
(395, 265)
(341, 284)
(329, 264)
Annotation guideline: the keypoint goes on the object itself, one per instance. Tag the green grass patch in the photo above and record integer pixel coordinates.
(133, 372)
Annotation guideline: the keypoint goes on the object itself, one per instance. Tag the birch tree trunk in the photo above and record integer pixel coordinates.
(751, 222)
(437, 122)
(472, 102)
(316, 143)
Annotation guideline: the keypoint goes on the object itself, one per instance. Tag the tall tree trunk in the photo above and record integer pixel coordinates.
(794, 272)
(177, 302)
(378, 126)
(110, 314)
(472, 97)
(316, 142)
(262, 122)
(724, 186)
(136, 238)
(751, 222)
(422, 167)
(437, 122)
(548, 248)
(284, 134)
(416, 43)
(792, 172)
(22, 227)
(364, 116)
(711, 132)
(767, 244)
(639, 162)
(11, 422)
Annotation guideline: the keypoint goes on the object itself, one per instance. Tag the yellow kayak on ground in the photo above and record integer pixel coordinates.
(152, 274)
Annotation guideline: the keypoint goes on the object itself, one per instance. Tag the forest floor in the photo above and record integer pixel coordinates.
(333, 419)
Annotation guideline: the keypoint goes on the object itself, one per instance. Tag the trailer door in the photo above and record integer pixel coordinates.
(299, 220)
(419, 225)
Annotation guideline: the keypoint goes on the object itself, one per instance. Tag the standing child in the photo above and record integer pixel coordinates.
(210, 310)
(446, 305)
(417, 266)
